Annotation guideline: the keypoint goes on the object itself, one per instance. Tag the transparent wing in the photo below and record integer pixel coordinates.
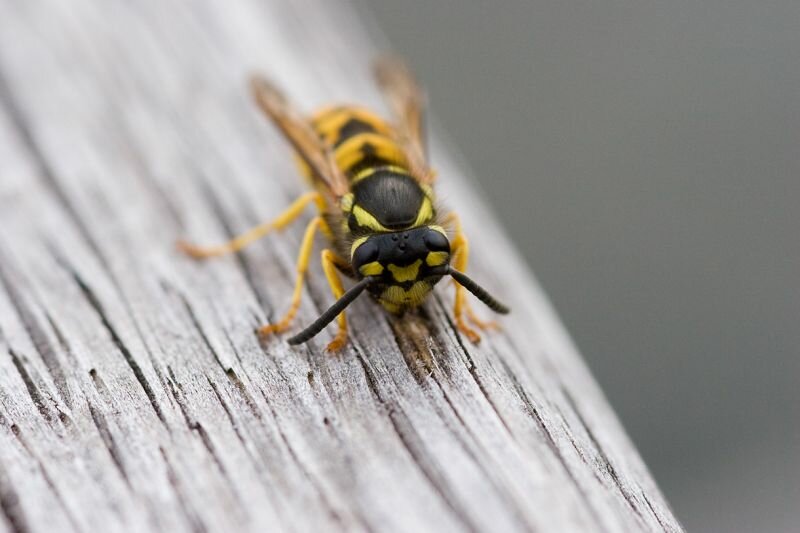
(407, 103)
(300, 134)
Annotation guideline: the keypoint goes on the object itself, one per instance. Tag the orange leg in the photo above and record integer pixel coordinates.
(236, 244)
(477, 321)
(302, 268)
(460, 246)
(329, 263)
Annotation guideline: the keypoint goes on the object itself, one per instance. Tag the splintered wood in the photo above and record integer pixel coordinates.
(134, 395)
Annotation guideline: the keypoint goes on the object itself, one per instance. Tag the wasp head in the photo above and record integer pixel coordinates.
(402, 256)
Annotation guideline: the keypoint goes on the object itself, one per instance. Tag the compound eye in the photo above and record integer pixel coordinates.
(435, 241)
(366, 253)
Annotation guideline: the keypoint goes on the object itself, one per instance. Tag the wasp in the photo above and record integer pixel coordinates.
(373, 192)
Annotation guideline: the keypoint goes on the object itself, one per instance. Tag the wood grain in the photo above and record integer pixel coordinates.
(134, 395)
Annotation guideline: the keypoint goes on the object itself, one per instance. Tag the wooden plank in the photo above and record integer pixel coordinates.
(133, 393)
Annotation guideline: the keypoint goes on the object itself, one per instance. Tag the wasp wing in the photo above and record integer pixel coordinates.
(298, 131)
(407, 103)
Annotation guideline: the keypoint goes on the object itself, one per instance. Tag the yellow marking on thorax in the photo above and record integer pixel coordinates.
(405, 273)
(425, 212)
(366, 219)
(369, 171)
(356, 243)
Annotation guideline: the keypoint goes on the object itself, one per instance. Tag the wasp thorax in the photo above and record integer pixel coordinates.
(402, 256)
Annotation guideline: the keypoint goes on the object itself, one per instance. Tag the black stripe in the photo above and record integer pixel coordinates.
(351, 128)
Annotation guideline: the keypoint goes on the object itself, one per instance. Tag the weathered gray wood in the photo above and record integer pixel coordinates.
(133, 393)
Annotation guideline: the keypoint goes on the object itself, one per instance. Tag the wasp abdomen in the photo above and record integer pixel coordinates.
(360, 139)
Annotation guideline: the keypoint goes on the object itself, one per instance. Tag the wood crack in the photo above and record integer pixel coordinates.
(17, 432)
(106, 436)
(302, 468)
(533, 412)
(241, 388)
(653, 510)
(169, 289)
(472, 368)
(38, 336)
(482, 464)
(191, 514)
(94, 302)
(36, 395)
(225, 407)
(43, 167)
(11, 506)
(413, 347)
(605, 461)
(241, 259)
(196, 426)
(413, 445)
(280, 441)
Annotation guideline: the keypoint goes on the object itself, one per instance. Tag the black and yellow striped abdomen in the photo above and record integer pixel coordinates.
(360, 139)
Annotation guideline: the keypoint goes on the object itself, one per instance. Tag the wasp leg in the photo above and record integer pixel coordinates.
(331, 263)
(460, 247)
(477, 321)
(302, 268)
(236, 244)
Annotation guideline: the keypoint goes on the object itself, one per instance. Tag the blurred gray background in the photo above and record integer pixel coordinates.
(645, 156)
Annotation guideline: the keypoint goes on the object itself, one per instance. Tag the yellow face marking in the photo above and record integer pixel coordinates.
(371, 269)
(436, 258)
(405, 273)
(365, 219)
(356, 243)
